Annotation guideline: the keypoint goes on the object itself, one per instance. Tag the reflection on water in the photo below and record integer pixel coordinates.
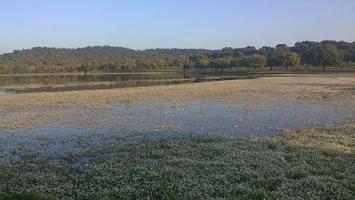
(81, 78)
(52, 83)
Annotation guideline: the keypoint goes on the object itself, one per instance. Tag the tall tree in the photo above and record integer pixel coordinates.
(253, 61)
(292, 60)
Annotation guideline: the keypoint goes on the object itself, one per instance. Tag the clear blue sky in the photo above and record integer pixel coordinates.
(142, 24)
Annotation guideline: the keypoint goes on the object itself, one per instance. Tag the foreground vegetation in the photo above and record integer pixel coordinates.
(117, 59)
(302, 164)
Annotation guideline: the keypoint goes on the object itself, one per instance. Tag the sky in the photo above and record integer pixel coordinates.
(142, 24)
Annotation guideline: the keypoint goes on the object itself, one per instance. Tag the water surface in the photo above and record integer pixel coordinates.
(11, 84)
(156, 120)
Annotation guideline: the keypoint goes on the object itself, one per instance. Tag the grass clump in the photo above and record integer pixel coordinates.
(303, 164)
(21, 196)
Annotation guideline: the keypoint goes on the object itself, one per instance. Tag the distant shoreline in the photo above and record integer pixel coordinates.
(91, 73)
(265, 72)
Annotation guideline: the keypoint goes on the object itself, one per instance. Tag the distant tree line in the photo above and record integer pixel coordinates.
(118, 59)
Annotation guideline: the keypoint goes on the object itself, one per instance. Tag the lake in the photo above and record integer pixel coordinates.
(15, 84)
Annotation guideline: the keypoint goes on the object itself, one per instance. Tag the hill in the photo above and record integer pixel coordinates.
(118, 59)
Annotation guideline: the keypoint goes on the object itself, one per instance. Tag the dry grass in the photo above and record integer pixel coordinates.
(330, 139)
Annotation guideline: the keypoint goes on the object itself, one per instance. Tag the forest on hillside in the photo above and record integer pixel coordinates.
(118, 59)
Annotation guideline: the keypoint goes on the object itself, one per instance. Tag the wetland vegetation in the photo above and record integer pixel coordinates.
(300, 164)
(210, 140)
(255, 101)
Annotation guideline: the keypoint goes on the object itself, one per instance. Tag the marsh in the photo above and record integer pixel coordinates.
(86, 130)
(61, 122)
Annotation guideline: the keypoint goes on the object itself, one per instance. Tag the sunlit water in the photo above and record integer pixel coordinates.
(154, 120)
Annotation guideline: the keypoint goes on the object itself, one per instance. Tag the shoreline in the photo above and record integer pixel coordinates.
(91, 73)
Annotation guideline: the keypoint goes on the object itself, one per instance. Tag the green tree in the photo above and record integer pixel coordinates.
(329, 56)
(253, 61)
